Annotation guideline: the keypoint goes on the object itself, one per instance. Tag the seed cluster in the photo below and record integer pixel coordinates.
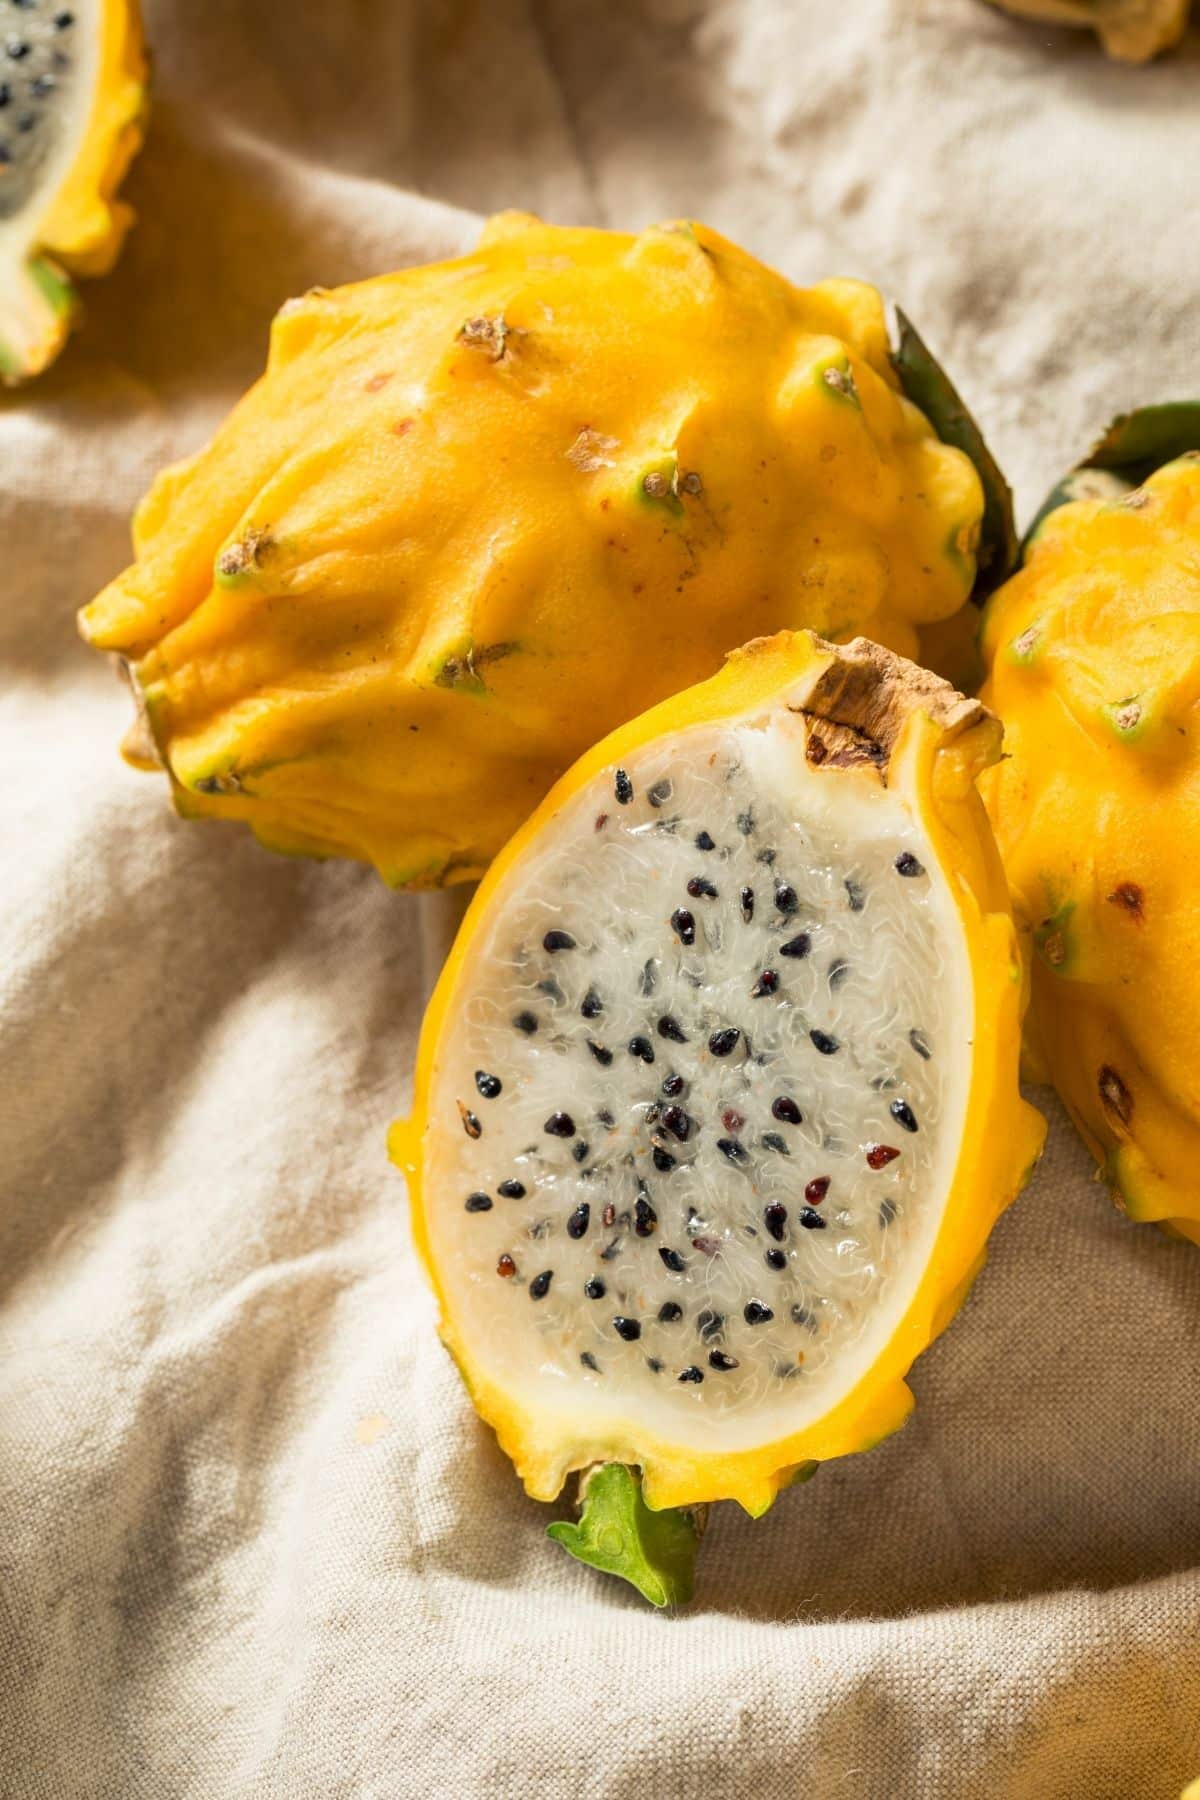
(37, 45)
(699, 1086)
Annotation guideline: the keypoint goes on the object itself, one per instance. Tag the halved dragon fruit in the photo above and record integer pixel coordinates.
(717, 1098)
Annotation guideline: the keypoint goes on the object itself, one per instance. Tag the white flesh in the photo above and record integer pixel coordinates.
(613, 887)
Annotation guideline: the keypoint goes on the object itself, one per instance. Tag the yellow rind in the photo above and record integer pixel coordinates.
(938, 767)
(1096, 824)
(449, 463)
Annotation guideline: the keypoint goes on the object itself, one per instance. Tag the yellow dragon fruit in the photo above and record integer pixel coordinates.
(716, 1101)
(72, 102)
(1130, 30)
(476, 514)
(1094, 658)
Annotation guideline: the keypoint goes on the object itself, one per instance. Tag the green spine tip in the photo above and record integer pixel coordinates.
(617, 1532)
(1131, 449)
(927, 385)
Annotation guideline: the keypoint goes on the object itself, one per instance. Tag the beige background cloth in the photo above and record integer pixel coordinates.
(253, 1541)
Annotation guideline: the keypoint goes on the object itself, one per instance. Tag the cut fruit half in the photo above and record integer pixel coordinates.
(716, 1100)
(72, 100)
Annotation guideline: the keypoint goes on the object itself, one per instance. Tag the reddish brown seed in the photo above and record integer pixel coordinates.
(708, 1245)
(505, 1266)
(470, 1123)
(731, 1120)
(601, 821)
(817, 1188)
(609, 1214)
(767, 982)
(880, 1155)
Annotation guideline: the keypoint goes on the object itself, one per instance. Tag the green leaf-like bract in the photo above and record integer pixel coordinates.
(618, 1532)
(928, 386)
(1133, 447)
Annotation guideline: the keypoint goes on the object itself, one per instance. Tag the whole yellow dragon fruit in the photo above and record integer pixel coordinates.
(476, 514)
(72, 103)
(1094, 658)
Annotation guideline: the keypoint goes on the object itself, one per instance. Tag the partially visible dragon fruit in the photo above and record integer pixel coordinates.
(717, 1097)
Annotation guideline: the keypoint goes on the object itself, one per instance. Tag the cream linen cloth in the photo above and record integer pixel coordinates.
(253, 1541)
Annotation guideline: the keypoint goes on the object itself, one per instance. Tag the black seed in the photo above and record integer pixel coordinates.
(920, 1043)
(629, 1329)
(745, 823)
(704, 841)
(671, 1028)
(903, 1114)
(488, 1085)
(512, 1190)
(653, 1364)
(579, 1151)
(824, 1043)
(63, 21)
(776, 1259)
(811, 1219)
(660, 793)
(559, 1124)
(539, 1287)
(551, 989)
(526, 1022)
(674, 1084)
(595, 1288)
(622, 788)
(771, 1140)
(591, 1006)
(724, 1042)
(577, 1224)
(801, 1315)
(677, 1122)
(642, 1048)
(603, 1057)
(766, 857)
(692, 1374)
(709, 1323)
(605, 1117)
(887, 1211)
(700, 889)
(785, 898)
(17, 49)
(907, 864)
(747, 903)
(730, 1147)
(663, 1160)
(589, 1361)
(717, 1359)
(775, 1218)
(41, 85)
(478, 1203)
(855, 894)
(767, 982)
(798, 946)
(649, 975)
(786, 1111)
(558, 940)
(645, 1218)
(670, 1311)
(756, 1312)
(5, 93)
(683, 925)
(838, 972)
(673, 1261)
